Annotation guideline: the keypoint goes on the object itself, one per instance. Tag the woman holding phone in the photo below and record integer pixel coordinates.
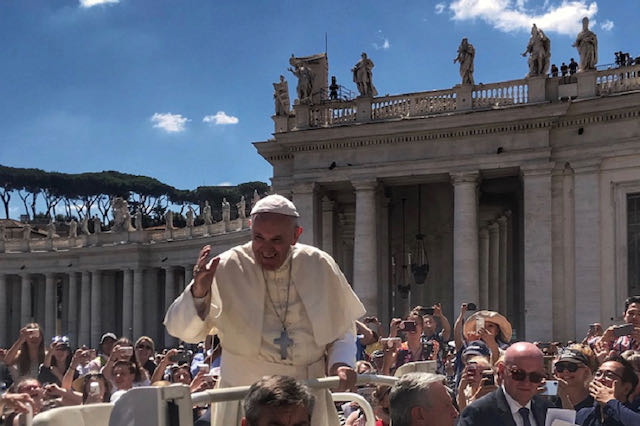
(413, 349)
(123, 351)
(27, 353)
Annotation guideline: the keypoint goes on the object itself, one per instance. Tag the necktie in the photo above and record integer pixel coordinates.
(524, 413)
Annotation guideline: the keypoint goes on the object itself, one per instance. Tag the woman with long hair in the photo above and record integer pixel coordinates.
(27, 353)
(56, 361)
(123, 351)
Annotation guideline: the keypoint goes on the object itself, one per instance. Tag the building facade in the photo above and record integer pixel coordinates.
(521, 196)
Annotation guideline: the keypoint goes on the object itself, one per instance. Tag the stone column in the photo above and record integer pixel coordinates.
(85, 310)
(25, 300)
(138, 303)
(4, 320)
(365, 253)
(465, 238)
(502, 265)
(304, 198)
(589, 298)
(494, 257)
(483, 300)
(96, 311)
(169, 297)
(49, 306)
(127, 303)
(328, 216)
(72, 317)
(537, 253)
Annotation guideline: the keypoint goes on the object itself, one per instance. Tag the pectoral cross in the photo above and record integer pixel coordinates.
(284, 341)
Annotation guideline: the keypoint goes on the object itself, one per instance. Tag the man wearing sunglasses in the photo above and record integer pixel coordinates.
(514, 403)
(613, 383)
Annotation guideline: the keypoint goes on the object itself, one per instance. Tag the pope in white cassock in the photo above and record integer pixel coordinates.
(278, 307)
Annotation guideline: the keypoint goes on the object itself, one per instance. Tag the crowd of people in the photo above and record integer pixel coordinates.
(478, 373)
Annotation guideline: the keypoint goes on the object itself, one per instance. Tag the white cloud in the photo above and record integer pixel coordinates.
(170, 123)
(91, 3)
(382, 46)
(508, 16)
(219, 118)
(439, 8)
(224, 184)
(607, 25)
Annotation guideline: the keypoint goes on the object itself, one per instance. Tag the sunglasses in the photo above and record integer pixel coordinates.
(565, 365)
(607, 374)
(520, 375)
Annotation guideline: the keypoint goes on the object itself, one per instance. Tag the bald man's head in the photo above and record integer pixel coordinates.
(522, 371)
(523, 350)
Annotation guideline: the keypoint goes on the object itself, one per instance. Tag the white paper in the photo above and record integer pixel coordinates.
(560, 417)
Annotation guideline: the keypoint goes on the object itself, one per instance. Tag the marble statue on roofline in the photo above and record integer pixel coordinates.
(26, 232)
(242, 208)
(587, 45)
(226, 210)
(73, 228)
(363, 76)
(190, 217)
(138, 219)
(84, 225)
(97, 225)
(255, 198)
(539, 51)
(466, 54)
(168, 217)
(281, 97)
(206, 214)
(121, 215)
(305, 79)
(51, 229)
(2, 232)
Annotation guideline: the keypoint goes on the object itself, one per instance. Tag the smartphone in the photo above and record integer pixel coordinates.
(370, 319)
(391, 341)
(479, 323)
(127, 350)
(427, 311)
(94, 388)
(471, 306)
(408, 325)
(623, 330)
(205, 368)
(550, 388)
(487, 378)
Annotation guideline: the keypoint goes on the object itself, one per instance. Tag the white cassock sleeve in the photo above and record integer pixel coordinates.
(343, 350)
(182, 319)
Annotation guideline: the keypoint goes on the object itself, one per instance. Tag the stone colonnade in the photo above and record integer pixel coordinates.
(481, 257)
(84, 304)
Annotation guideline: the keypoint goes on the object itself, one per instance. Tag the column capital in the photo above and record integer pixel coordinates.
(493, 227)
(365, 184)
(458, 178)
(304, 188)
(502, 221)
(541, 169)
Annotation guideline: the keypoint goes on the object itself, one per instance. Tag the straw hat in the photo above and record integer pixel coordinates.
(491, 316)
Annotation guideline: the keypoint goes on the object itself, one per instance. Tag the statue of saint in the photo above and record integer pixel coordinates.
(255, 198)
(305, 79)
(363, 77)
(190, 217)
(73, 228)
(51, 229)
(466, 53)
(206, 214)
(168, 217)
(281, 97)
(138, 219)
(539, 50)
(587, 45)
(121, 215)
(26, 232)
(2, 232)
(242, 208)
(97, 225)
(226, 210)
(84, 226)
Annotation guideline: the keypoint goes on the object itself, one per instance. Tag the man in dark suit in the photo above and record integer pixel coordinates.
(514, 403)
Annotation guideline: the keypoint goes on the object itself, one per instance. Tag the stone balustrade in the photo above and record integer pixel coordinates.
(618, 80)
(110, 238)
(500, 94)
(330, 113)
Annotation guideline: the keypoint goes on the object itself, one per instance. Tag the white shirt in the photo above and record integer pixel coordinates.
(515, 406)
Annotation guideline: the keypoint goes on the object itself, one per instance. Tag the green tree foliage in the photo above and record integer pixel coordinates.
(79, 193)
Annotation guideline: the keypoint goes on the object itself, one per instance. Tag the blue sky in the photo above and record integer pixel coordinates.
(178, 90)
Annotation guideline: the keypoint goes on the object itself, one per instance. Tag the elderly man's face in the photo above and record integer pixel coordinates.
(289, 415)
(272, 235)
(520, 376)
(442, 412)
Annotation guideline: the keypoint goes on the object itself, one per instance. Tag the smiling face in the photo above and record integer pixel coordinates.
(521, 360)
(272, 235)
